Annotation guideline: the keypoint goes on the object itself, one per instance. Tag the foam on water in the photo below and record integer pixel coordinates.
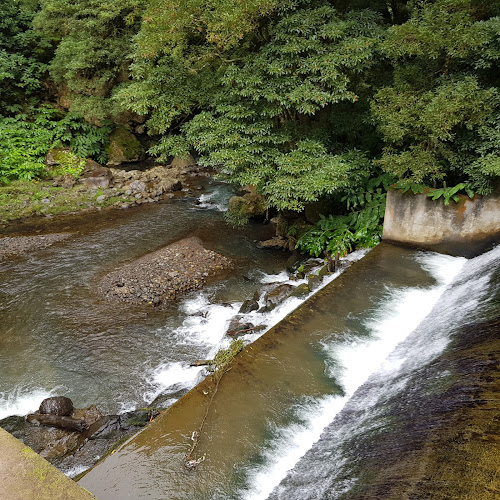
(21, 401)
(204, 329)
(351, 361)
(217, 199)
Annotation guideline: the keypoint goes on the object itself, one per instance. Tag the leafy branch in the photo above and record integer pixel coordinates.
(447, 193)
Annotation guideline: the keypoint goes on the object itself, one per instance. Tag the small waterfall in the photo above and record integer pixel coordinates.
(402, 376)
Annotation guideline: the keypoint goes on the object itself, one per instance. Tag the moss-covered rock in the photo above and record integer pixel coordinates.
(123, 147)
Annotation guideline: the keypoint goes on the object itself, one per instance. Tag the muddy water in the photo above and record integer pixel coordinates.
(57, 336)
(283, 390)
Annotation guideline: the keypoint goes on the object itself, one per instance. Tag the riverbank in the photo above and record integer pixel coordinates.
(99, 188)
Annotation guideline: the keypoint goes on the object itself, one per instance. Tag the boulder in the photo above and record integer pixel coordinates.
(276, 296)
(123, 147)
(249, 306)
(183, 162)
(250, 204)
(66, 181)
(278, 242)
(56, 155)
(301, 291)
(314, 281)
(57, 405)
(137, 186)
(95, 176)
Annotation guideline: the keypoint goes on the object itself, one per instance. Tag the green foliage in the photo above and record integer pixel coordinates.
(24, 144)
(68, 164)
(440, 117)
(23, 56)
(224, 358)
(265, 125)
(360, 228)
(236, 217)
(91, 58)
(450, 193)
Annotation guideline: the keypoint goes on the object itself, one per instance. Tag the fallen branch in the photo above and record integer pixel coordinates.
(202, 362)
(68, 423)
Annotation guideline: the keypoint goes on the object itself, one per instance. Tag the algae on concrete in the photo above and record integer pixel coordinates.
(26, 475)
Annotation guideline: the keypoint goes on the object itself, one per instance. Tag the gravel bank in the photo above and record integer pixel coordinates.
(21, 245)
(164, 275)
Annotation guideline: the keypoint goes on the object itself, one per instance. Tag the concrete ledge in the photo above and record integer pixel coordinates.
(25, 475)
(466, 228)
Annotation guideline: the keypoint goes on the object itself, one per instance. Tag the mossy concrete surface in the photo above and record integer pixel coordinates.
(25, 475)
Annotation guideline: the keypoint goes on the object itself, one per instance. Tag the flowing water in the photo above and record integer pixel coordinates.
(58, 336)
(281, 423)
(304, 411)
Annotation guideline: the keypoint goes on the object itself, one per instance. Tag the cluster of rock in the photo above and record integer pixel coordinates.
(165, 274)
(69, 437)
(271, 295)
(135, 187)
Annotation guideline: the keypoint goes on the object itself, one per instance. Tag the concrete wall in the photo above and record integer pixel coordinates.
(25, 475)
(465, 228)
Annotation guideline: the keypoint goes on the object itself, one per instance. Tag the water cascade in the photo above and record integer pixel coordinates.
(324, 375)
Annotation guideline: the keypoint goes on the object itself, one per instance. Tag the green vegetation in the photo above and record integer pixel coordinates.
(306, 100)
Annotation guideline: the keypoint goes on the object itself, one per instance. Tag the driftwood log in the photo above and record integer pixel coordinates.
(68, 423)
(201, 362)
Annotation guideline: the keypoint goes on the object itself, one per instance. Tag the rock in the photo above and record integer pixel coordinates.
(250, 204)
(64, 422)
(66, 181)
(89, 415)
(278, 242)
(45, 201)
(236, 327)
(101, 199)
(248, 306)
(137, 186)
(169, 185)
(277, 296)
(183, 162)
(123, 147)
(95, 176)
(301, 291)
(55, 156)
(314, 281)
(57, 405)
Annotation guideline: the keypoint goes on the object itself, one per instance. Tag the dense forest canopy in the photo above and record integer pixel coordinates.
(303, 99)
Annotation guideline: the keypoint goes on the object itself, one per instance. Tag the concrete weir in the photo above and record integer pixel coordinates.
(465, 228)
(25, 475)
(280, 369)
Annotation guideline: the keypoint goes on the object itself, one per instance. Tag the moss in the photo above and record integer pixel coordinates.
(123, 146)
(21, 199)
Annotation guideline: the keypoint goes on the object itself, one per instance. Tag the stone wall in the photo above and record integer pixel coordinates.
(465, 228)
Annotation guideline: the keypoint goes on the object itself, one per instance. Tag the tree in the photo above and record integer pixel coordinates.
(440, 118)
(24, 54)
(92, 54)
(258, 100)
